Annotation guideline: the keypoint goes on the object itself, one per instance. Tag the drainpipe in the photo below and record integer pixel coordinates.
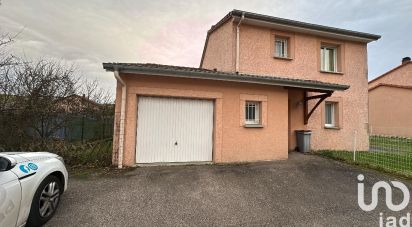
(122, 119)
(237, 41)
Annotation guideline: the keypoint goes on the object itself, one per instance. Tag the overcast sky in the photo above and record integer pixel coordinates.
(89, 32)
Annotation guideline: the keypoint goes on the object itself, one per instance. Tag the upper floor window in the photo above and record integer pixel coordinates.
(329, 58)
(252, 112)
(281, 47)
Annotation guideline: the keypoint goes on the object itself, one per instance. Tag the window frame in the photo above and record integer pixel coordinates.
(332, 124)
(257, 120)
(284, 41)
(326, 67)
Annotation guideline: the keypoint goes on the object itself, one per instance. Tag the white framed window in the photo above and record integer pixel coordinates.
(329, 59)
(330, 108)
(281, 47)
(252, 113)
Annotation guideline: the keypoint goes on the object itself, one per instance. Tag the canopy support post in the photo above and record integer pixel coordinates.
(306, 98)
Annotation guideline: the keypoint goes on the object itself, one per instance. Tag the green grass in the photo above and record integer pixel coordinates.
(389, 154)
(390, 143)
(396, 163)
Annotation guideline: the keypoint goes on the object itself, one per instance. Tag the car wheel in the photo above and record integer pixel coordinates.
(45, 201)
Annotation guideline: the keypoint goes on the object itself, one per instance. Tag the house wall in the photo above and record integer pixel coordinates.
(220, 49)
(256, 57)
(232, 141)
(389, 106)
(390, 111)
(296, 119)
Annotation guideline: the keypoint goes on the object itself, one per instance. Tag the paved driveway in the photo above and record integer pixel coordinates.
(305, 190)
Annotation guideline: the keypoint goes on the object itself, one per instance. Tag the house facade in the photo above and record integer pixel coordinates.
(390, 98)
(260, 79)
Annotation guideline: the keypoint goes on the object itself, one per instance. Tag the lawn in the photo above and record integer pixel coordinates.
(390, 143)
(390, 154)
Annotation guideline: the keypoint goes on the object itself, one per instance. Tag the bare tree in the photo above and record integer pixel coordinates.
(34, 109)
(93, 90)
(38, 99)
(6, 61)
(40, 86)
(100, 109)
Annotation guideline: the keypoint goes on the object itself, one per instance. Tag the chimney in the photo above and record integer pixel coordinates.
(406, 60)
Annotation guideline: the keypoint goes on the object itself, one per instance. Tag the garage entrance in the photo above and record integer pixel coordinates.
(174, 130)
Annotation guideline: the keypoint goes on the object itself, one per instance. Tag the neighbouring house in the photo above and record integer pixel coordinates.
(390, 106)
(260, 79)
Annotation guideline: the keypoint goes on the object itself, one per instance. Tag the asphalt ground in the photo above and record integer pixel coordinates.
(305, 190)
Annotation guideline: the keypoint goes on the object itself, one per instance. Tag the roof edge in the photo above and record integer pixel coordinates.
(210, 31)
(224, 76)
(389, 72)
(390, 85)
(306, 25)
(204, 51)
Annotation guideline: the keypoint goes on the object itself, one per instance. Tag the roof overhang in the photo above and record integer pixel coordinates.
(302, 27)
(197, 73)
(291, 28)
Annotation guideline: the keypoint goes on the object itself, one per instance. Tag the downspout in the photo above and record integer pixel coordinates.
(237, 41)
(122, 119)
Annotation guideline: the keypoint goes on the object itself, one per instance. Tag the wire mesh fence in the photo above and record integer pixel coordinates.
(388, 150)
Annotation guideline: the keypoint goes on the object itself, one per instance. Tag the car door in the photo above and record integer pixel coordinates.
(10, 195)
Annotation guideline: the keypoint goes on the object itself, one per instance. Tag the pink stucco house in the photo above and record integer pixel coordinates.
(390, 96)
(260, 79)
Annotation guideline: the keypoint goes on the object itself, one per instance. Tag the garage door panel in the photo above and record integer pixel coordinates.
(174, 130)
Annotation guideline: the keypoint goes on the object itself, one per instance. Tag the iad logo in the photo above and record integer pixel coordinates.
(388, 192)
(403, 221)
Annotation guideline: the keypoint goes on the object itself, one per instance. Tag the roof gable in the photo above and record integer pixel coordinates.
(392, 77)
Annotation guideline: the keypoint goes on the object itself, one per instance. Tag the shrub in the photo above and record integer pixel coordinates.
(88, 154)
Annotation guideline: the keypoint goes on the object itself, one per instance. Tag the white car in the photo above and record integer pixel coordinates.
(31, 185)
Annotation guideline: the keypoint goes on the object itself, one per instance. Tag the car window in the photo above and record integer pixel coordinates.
(3, 163)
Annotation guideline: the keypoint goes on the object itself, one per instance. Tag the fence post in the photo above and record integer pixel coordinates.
(82, 135)
(354, 147)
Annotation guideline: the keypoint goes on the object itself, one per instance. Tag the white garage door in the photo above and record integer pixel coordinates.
(174, 130)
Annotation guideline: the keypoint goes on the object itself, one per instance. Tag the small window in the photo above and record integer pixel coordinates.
(252, 112)
(281, 47)
(330, 109)
(329, 59)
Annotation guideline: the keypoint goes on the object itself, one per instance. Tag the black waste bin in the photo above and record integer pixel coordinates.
(303, 140)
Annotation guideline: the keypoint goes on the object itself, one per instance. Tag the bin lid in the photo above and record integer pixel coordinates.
(304, 131)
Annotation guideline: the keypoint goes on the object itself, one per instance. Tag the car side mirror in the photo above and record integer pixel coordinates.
(6, 164)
